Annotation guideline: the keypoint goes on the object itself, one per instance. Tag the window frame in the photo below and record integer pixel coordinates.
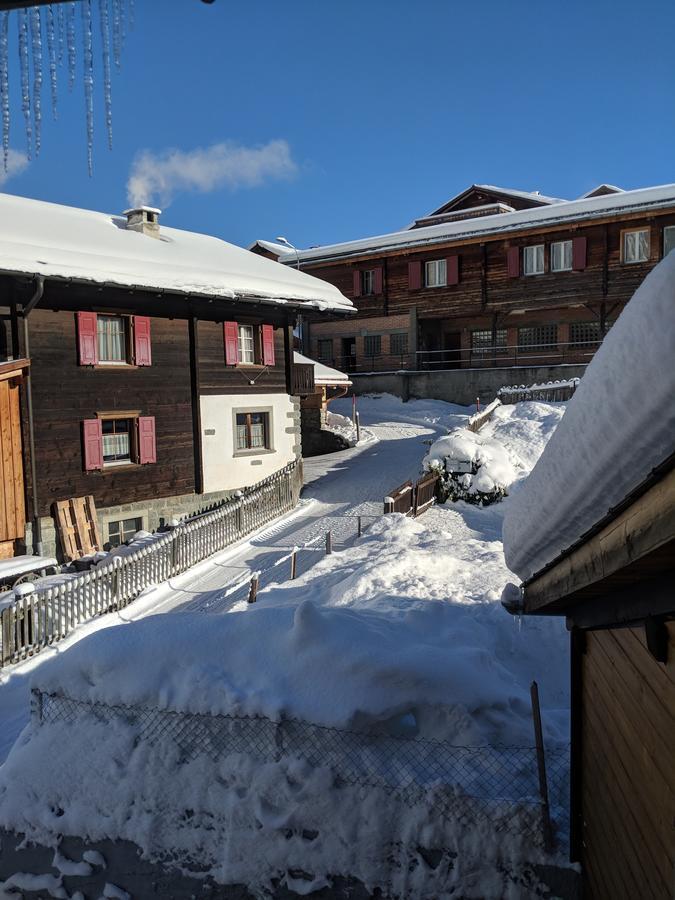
(128, 360)
(497, 348)
(551, 255)
(581, 344)
(249, 411)
(372, 337)
(539, 345)
(132, 416)
(255, 345)
(122, 531)
(625, 232)
(319, 355)
(439, 265)
(667, 228)
(396, 335)
(526, 253)
(367, 282)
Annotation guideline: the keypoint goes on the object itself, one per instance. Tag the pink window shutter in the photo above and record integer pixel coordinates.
(377, 287)
(452, 269)
(87, 340)
(268, 345)
(142, 343)
(147, 449)
(92, 443)
(357, 283)
(579, 253)
(513, 262)
(231, 331)
(415, 275)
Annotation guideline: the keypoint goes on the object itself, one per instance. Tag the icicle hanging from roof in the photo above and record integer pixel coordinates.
(61, 46)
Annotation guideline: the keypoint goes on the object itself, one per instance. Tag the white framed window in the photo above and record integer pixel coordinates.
(435, 273)
(111, 335)
(252, 431)
(533, 260)
(668, 239)
(246, 344)
(636, 246)
(368, 281)
(117, 442)
(561, 256)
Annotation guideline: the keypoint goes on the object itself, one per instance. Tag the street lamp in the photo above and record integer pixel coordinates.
(283, 240)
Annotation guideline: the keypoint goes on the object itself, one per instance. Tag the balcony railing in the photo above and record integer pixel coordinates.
(302, 379)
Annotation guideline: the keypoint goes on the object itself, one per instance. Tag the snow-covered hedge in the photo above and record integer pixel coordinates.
(472, 468)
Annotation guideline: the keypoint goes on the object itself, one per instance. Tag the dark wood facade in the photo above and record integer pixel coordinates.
(486, 298)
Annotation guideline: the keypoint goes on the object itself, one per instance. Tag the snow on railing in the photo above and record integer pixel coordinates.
(34, 620)
(549, 391)
(478, 419)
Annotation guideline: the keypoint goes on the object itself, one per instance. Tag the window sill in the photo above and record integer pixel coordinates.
(113, 367)
(125, 467)
(635, 262)
(266, 451)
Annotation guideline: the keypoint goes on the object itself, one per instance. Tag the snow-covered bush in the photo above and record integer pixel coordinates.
(343, 426)
(472, 468)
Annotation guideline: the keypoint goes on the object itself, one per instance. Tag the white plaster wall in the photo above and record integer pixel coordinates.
(222, 469)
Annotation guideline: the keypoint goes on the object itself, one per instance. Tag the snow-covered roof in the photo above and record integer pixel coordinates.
(322, 374)
(38, 238)
(525, 195)
(618, 427)
(601, 189)
(555, 212)
(277, 249)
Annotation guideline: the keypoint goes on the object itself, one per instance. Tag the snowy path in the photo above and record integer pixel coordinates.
(339, 487)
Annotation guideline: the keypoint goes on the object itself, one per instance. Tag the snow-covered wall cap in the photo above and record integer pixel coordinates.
(39, 238)
(322, 374)
(554, 213)
(618, 427)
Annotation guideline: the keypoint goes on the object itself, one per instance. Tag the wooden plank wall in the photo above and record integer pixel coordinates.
(12, 509)
(628, 767)
(217, 378)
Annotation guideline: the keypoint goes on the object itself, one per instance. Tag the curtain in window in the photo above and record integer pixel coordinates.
(111, 339)
(257, 430)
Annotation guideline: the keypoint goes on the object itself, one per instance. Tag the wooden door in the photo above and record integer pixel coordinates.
(12, 508)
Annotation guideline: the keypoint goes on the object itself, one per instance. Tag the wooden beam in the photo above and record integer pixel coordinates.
(193, 337)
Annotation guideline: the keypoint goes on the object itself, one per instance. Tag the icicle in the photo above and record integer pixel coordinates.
(72, 50)
(88, 81)
(36, 40)
(104, 16)
(117, 32)
(61, 19)
(51, 47)
(4, 83)
(25, 77)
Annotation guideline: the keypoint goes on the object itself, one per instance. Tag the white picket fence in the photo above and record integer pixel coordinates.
(31, 621)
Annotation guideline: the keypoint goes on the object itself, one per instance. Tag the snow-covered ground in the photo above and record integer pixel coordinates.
(401, 630)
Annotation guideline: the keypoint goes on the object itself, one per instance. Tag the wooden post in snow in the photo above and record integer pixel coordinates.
(353, 409)
(253, 590)
(358, 428)
(329, 542)
(541, 768)
(359, 526)
(294, 555)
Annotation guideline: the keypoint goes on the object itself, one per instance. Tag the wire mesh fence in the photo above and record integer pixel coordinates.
(495, 787)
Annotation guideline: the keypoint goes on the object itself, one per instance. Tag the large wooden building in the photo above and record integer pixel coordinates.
(493, 277)
(148, 367)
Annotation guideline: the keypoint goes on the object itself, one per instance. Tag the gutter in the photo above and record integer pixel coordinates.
(27, 309)
(597, 215)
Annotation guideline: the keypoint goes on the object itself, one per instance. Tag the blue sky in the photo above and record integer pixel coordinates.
(371, 112)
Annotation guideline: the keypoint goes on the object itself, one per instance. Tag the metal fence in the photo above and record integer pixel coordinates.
(550, 392)
(32, 621)
(495, 787)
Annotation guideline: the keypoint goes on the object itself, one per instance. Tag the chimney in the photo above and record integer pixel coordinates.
(144, 219)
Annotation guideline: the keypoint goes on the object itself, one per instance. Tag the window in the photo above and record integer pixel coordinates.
(561, 256)
(533, 260)
(372, 345)
(481, 341)
(537, 336)
(398, 344)
(368, 281)
(585, 333)
(123, 530)
(111, 334)
(252, 431)
(117, 441)
(246, 344)
(435, 273)
(636, 246)
(668, 239)
(325, 350)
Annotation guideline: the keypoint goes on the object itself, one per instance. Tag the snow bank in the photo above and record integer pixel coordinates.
(619, 425)
(343, 426)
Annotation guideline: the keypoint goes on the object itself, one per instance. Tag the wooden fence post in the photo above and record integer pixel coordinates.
(358, 428)
(359, 526)
(329, 542)
(253, 590)
(294, 556)
(541, 768)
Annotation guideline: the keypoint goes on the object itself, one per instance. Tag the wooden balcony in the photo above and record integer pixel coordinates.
(302, 380)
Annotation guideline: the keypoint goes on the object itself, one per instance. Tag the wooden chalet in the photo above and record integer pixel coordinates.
(492, 278)
(148, 367)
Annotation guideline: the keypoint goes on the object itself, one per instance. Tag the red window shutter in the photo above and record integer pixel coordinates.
(513, 262)
(357, 283)
(268, 345)
(142, 345)
(231, 330)
(415, 275)
(147, 451)
(87, 338)
(579, 253)
(377, 287)
(92, 442)
(452, 269)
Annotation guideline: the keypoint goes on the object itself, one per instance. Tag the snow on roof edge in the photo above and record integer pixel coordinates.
(323, 374)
